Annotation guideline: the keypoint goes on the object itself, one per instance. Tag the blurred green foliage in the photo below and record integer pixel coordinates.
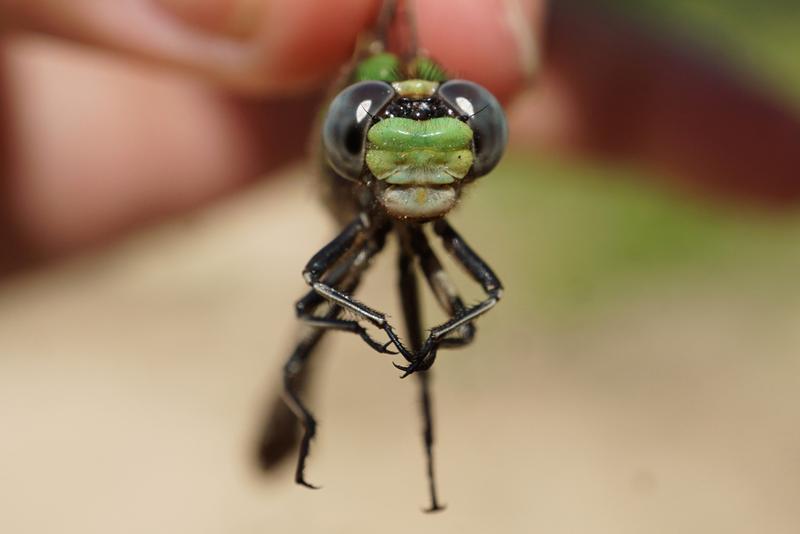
(575, 238)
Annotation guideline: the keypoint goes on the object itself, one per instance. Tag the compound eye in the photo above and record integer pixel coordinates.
(484, 115)
(349, 116)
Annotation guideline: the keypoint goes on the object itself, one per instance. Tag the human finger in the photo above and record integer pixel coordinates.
(493, 42)
(268, 46)
(96, 146)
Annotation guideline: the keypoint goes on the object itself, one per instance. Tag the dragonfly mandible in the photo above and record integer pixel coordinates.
(398, 144)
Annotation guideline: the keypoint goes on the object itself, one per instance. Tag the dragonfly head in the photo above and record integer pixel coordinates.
(415, 141)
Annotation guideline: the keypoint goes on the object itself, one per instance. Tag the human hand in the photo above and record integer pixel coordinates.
(200, 98)
(197, 100)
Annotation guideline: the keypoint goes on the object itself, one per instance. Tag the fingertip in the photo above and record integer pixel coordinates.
(493, 42)
(304, 43)
(265, 46)
(119, 145)
(272, 47)
(282, 46)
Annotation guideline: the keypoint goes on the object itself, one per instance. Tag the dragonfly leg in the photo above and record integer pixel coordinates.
(426, 403)
(322, 262)
(409, 297)
(280, 433)
(317, 275)
(481, 273)
(293, 372)
(293, 376)
(443, 288)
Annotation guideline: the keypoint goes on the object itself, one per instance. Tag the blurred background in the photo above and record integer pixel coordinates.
(641, 375)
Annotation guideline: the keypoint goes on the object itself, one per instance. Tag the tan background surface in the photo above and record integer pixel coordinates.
(131, 385)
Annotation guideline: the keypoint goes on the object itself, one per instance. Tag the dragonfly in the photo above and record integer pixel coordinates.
(398, 144)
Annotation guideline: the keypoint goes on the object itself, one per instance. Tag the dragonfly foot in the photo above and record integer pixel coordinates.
(308, 485)
(422, 363)
(382, 348)
(436, 507)
(385, 348)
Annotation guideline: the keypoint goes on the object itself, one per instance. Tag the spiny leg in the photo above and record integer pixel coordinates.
(409, 297)
(347, 275)
(317, 275)
(480, 272)
(280, 432)
(443, 289)
(325, 260)
(293, 368)
(292, 377)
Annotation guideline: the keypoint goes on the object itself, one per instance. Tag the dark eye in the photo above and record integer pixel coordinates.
(484, 116)
(349, 117)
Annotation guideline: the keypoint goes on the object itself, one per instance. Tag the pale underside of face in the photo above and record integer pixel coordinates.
(417, 202)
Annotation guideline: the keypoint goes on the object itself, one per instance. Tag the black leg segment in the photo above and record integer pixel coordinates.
(481, 273)
(325, 260)
(443, 288)
(409, 297)
(334, 267)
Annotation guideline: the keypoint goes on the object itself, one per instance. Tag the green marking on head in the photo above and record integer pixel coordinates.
(405, 151)
(443, 133)
(381, 67)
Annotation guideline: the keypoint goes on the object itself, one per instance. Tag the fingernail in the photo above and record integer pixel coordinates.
(238, 19)
(521, 22)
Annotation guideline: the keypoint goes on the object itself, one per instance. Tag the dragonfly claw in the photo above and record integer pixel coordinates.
(385, 348)
(422, 361)
(413, 367)
(436, 507)
(308, 485)
(382, 348)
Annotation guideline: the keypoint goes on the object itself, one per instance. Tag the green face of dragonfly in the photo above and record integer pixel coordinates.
(432, 152)
(412, 135)
(419, 161)
(415, 158)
